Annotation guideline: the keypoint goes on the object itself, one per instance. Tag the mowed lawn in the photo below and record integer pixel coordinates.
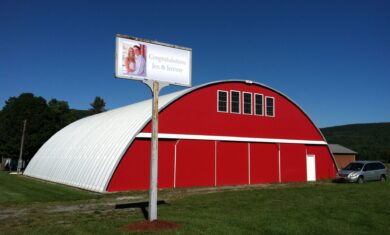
(300, 208)
(17, 189)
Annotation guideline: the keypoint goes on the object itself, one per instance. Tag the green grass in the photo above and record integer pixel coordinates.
(308, 209)
(17, 189)
(319, 208)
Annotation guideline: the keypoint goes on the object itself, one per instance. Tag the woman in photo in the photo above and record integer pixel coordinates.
(130, 61)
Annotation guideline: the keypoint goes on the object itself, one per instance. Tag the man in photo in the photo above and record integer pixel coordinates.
(139, 61)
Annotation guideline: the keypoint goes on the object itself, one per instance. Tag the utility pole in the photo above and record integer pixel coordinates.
(21, 148)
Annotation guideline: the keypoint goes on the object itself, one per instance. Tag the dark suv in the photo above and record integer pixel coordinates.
(360, 171)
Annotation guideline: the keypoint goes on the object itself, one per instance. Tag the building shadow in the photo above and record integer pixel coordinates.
(141, 205)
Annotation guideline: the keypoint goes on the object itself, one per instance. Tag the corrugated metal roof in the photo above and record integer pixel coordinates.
(336, 148)
(85, 153)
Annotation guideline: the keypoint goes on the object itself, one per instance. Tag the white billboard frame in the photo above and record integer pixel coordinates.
(151, 73)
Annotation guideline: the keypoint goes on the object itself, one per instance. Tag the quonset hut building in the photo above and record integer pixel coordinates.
(221, 133)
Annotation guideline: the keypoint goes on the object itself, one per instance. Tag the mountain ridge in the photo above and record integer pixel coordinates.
(370, 140)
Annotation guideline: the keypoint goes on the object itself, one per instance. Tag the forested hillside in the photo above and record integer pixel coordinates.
(371, 141)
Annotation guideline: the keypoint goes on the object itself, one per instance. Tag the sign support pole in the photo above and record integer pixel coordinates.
(161, 64)
(155, 88)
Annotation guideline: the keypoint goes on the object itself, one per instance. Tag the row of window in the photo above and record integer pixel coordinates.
(235, 103)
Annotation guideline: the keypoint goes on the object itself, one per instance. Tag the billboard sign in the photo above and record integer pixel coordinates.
(142, 59)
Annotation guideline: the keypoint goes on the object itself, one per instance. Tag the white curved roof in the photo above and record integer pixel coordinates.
(85, 153)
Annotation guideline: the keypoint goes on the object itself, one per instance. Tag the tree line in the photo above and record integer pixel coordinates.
(43, 120)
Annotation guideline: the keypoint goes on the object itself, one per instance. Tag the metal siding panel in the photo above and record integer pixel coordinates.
(232, 163)
(133, 171)
(293, 162)
(165, 163)
(195, 163)
(264, 163)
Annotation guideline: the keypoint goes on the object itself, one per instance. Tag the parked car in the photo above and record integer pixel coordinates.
(361, 171)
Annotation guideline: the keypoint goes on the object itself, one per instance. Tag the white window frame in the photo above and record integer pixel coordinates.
(239, 102)
(227, 101)
(262, 105)
(243, 103)
(266, 106)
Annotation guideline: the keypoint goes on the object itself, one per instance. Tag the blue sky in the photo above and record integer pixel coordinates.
(330, 57)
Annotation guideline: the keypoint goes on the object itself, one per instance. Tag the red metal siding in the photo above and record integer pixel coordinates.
(232, 163)
(325, 168)
(196, 113)
(133, 172)
(293, 162)
(264, 163)
(166, 153)
(195, 163)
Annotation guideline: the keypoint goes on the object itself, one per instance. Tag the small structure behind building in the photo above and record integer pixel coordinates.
(342, 155)
(10, 164)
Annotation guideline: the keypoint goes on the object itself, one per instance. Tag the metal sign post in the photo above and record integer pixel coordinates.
(155, 88)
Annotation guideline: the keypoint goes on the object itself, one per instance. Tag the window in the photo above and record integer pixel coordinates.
(247, 103)
(368, 167)
(378, 166)
(222, 101)
(354, 166)
(270, 102)
(234, 101)
(259, 104)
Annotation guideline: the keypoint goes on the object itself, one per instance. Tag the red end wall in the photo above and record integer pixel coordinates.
(196, 113)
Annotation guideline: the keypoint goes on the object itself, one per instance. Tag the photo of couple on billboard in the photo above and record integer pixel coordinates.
(134, 62)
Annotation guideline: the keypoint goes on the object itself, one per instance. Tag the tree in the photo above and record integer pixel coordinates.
(25, 107)
(59, 112)
(98, 105)
(43, 120)
(62, 115)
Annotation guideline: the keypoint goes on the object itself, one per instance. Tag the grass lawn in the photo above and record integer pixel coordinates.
(17, 189)
(315, 208)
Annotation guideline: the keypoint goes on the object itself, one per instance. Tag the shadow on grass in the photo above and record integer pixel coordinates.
(141, 205)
